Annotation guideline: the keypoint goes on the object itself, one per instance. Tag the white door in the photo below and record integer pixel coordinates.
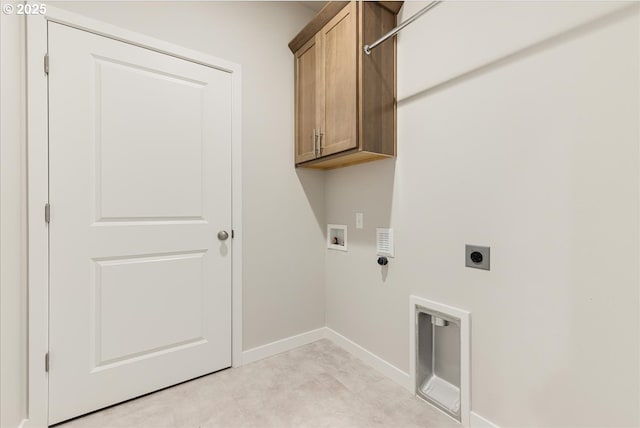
(140, 186)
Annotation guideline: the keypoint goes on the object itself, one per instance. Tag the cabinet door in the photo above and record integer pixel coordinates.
(338, 77)
(307, 83)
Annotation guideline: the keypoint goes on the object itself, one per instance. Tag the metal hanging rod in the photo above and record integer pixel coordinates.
(427, 8)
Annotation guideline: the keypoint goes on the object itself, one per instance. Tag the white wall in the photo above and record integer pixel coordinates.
(517, 129)
(283, 236)
(13, 308)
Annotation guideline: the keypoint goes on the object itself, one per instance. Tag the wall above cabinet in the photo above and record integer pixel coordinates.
(345, 101)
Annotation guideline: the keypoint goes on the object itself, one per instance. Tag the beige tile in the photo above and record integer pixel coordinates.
(315, 386)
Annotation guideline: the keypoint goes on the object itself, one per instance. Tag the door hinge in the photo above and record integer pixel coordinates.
(46, 63)
(47, 212)
(233, 233)
(46, 362)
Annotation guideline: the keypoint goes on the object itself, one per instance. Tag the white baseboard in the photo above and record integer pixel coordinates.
(389, 370)
(478, 421)
(286, 344)
(283, 345)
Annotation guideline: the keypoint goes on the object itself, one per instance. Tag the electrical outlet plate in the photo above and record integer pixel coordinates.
(477, 257)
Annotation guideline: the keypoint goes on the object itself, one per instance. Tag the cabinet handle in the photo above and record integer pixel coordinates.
(316, 148)
(320, 135)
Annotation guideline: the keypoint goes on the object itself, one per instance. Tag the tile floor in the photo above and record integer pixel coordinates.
(317, 385)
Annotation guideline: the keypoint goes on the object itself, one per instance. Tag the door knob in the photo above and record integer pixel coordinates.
(223, 235)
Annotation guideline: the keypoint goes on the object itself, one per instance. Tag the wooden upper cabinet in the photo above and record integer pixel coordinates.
(345, 100)
(339, 84)
(307, 110)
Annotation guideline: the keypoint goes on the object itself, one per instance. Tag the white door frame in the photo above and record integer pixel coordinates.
(38, 188)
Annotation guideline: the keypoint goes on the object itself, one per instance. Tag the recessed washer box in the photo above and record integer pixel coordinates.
(439, 351)
(337, 237)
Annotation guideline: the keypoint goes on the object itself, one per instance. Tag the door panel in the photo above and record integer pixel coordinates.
(170, 287)
(307, 64)
(338, 39)
(138, 127)
(140, 183)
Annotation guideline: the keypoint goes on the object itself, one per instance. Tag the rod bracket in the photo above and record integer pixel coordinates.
(367, 49)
